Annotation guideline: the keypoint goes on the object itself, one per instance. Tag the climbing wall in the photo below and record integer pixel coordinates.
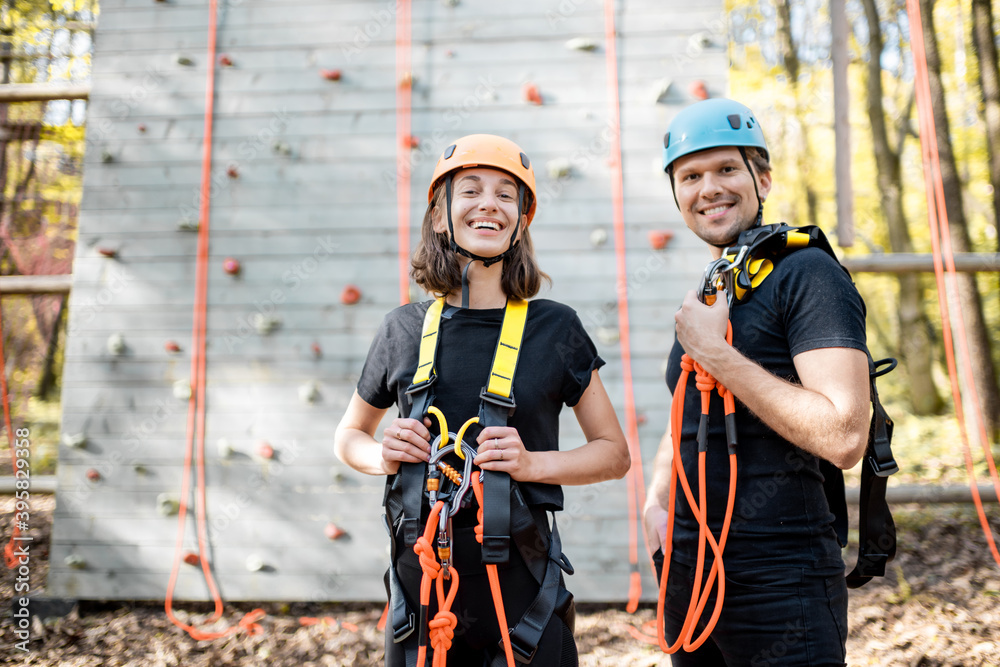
(304, 262)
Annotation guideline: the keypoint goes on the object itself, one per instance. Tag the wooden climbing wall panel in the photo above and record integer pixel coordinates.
(304, 198)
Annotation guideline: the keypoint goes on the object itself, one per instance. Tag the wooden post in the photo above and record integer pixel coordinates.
(907, 262)
(842, 125)
(43, 92)
(35, 284)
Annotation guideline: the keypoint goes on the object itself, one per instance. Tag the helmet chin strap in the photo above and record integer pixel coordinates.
(760, 202)
(487, 261)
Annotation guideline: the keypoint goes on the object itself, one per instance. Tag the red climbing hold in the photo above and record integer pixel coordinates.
(317, 351)
(350, 295)
(141, 128)
(171, 346)
(233, 171)
(410, 141)
(531, 93)
(231, 266)
(107, 252)
(331, 74)
(333, 531)
(192, 558)
(265, 450)
(225, 61)
(93, 475)
(698, 90)
(660, 239)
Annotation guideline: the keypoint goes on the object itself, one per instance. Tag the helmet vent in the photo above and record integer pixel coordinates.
(666, 140)
(448, 152)
(734, 121)
(525, 162)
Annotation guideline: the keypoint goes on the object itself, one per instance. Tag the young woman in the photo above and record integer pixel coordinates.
(447, 362)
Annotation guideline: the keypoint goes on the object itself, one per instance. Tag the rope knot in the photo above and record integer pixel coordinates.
(687, 364)
(428, 559)
(442, 630)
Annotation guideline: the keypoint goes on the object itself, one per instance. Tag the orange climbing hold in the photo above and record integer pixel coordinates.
(171, 346)
(231, 266)
(192, 558)
(698, 90)
(331, 74)
(660, 239)
(333, 531)
(225, 61)
(350, 295)
(531, 93)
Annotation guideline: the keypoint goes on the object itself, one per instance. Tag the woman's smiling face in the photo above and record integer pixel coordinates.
(483, 211)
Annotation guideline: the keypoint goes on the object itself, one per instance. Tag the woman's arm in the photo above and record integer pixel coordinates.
(405, 440)
(604, 456)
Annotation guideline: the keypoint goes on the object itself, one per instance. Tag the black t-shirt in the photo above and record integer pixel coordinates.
(781, 516)
(554, 368)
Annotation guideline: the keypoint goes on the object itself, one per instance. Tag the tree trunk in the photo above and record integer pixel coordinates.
(790, 59)
(984, 371)
(915, 347)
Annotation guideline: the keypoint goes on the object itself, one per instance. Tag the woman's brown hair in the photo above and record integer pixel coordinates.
(437, 269)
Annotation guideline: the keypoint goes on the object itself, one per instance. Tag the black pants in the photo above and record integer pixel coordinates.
(477, 635)
(770, 616)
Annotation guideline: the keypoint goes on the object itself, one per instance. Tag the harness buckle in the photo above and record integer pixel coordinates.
(883, 468)
(496, 401)
(521, 654)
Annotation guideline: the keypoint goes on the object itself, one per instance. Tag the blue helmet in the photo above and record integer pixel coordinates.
(713, 123)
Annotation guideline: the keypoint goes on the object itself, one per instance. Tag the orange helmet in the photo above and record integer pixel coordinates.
(486, 150)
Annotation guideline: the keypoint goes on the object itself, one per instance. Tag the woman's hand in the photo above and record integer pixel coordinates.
(405, 441)
(500, 448)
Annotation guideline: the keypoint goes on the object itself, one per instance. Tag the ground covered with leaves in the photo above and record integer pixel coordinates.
(939, 605)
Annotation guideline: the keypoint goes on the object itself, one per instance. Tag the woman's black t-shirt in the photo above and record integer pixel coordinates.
(554, 368)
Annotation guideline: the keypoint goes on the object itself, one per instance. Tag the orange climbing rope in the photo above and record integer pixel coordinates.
(195, 437)
(404, 97)
(944, 258)
(635, 483)
(8, 552)
(493, 575)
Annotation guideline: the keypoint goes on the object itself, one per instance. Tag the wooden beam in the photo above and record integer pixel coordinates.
(35, 284)
(900, 262)
(842, 125)
(928, 494)
(43, 92)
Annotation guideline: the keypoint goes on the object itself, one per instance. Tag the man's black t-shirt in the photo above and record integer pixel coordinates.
(554, 368)
(781, 517)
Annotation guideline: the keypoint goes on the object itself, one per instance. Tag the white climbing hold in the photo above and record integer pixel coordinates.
(254, 563)
(76, 562)
(264, 324)
(598, 237)
(661, 90)
(187, 225)
(225, 448)
(559, 167)
(582, 44)
(309, 392)
(182, 390)
(116, 344)
(167, 504)
(74, 440)
(608, 335)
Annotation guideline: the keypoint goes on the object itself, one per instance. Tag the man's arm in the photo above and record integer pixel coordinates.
(827, 415)
(658, 494)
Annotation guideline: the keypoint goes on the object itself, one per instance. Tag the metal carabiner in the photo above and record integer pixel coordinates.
(719, 274)
(439, 451)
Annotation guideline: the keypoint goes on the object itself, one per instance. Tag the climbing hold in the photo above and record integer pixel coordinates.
(698, 90)
(331, 74)
(406, 80)
(450, 3)
(700, 40)
(116, 344)
(337, 474)
(559, 167)
(172, 347)
(182, 390)
(141, 128)
(231, 266)
(167, 505)
(309, 392)
(265, 450)
(187, 225)
(660, 238)
(233, 171)
(410, 141)
(333, 531)
(281, 148)
(105, 251)
(224, 448)
(192, 558)
(661, 90)
(93, 476)
(183, 60)
(317, 351)
(254, 563)
(608, 335)
(350, 295)
(225, 61)
(106, 156)
(449, 54)
(530, 93)
(264, 324)
(641, 418)
(598, 237)
(140, 469)
(74, 440)
(75, 562)
(581, 44)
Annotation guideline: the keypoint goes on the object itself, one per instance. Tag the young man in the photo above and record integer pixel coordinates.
(798, 369)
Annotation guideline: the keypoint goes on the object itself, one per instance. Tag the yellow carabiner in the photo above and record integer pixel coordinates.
(461, 433)
(442, 423)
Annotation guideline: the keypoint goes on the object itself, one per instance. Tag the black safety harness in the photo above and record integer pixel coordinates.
(752, 259)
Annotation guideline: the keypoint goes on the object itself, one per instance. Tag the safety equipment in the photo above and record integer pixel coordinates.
(713, 123)
(739, 271)
(485, 150)
(504, 516)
